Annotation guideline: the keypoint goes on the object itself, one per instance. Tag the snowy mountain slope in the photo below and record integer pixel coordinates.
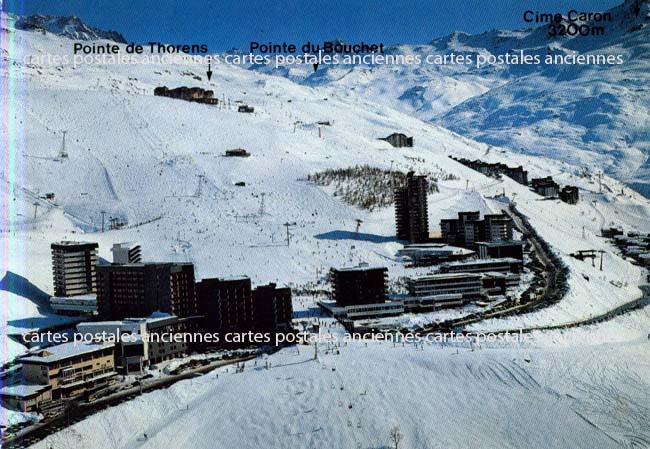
(70, 27)
(595, 116)
(140, 159)
(590, 116)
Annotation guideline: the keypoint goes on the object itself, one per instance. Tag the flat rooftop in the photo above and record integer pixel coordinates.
(483, 262)
(361, 268)
(445, 276)
(501, 243)
(23, 390)
(64, 351)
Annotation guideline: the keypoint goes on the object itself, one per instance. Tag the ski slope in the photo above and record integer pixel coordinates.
(539, 395)
(141, 158)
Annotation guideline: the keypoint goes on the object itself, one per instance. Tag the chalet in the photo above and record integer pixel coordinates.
(569, 194)
(246, 109)
(398, 140)
(195, 94)
(237, 152)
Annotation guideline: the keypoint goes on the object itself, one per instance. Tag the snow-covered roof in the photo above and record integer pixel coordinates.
(361, 268)
(90, 297)
(435, 248)
(444, 276)
(23, 390)
(501, 243)
(484, 262)
(73, 243)
(64, 351)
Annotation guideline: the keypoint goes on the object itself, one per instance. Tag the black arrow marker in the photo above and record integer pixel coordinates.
(209, 72)
(315, 67)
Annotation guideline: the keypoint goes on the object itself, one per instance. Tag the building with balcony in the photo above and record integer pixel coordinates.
(359, 285)
(411, 210)
(128, 252)
(501, 249)
(71, 369)
(142, 342)
(74, 268)
(138, 290)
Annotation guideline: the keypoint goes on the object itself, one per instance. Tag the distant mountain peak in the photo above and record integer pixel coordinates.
(71, 27)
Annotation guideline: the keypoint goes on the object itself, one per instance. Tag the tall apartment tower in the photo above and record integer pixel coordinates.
(272, 308)
(138, 290)
(359, 285)
(226, 304)
(411, 210)
(129, 252)
(498, 227)
(74, 266)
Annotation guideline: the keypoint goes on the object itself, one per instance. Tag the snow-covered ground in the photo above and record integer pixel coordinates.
(503, 396)
(140, 158)
(592, 116)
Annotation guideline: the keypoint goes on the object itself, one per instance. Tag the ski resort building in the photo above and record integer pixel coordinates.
(272, 308)
(496, 169)
(411, 210)
(237, 152)
(195, 94)
(546, 187)
(442, 290)
(141, 342)
(71, 369)
(363, 311)
(25, 397)
(498, 284)
(570, 194)
(468, 229)
(231, 305)
(138, 290)
(359, 285)
(503, 265)
(226, 304)
(246, 109)
(125, 253)
(74, 266)
(398, 140)
(501, 249)
(427, 254)
(75, 305)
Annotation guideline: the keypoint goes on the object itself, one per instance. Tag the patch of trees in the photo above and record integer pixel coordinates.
(369, 187)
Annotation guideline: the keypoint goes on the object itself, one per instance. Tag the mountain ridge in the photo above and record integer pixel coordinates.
(71, 27)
